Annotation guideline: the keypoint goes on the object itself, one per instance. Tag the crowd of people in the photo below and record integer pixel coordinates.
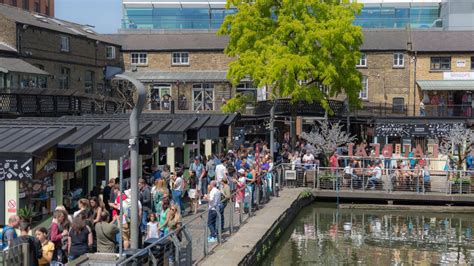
(164, 197)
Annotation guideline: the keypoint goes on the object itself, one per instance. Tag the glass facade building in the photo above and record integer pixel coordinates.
(209, 15)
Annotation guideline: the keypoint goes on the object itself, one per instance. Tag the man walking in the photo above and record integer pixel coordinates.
(214, 199)
(9, 233)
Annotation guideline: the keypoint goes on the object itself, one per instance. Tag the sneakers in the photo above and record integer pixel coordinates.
(211, 239)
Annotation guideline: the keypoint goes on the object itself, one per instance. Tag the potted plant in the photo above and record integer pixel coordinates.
(460, 185)
(26, 214)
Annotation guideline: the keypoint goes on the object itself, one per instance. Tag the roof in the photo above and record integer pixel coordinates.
(443, 41)
(120, 131)
(180, 125)
(83, 135)
(39, 20)
(170, 41)
(446, 85)
(385, 40)
(9, 64)
(156, 127)
(7, 48)
(30, 139)
(163, 76)
(216, 121)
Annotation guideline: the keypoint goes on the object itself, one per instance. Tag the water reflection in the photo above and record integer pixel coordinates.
(323, 235)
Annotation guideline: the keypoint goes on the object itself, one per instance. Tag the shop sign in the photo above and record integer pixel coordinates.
(45, 164)
(409, 130)
(16, 168)
(458, 75)
(83, 157)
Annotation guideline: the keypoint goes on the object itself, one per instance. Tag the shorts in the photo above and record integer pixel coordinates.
(125, 232)
(192, 193)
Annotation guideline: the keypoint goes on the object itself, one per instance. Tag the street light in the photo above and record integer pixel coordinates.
(133, 142)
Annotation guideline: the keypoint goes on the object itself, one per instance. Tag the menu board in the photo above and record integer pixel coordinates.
(16, 168)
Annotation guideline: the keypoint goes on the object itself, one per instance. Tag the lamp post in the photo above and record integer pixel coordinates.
(133, 141)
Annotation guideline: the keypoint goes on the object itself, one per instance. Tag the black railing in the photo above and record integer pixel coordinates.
(45, 103)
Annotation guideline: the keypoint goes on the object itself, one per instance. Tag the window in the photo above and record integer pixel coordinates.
(364, 93)
(110, 52)
(160, 97)
(362, 60)
(472, 62)
(441, 63)
(42, 80)
(89, 82)
(64, 78)
(203, 97)
(14, 3)
(398, 105)
(26, 4)
(64, 44)
(180, 58)
(139, 59)
(398, 60)
(37, 7)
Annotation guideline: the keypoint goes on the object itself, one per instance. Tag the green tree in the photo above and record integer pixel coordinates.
(237, 103)
(296, 47)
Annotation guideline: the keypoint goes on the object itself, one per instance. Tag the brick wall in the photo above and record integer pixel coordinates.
(198, 61)
(7, 31)
(423, 65)
(385, 81)
(41, 46)
(46, 7)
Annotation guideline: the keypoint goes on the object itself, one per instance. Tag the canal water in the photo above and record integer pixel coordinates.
(322, 234)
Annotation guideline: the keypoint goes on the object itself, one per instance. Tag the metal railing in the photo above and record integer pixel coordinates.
(194, 244)
(16, 255)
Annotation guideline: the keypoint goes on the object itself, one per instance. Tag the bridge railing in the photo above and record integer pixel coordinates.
(389, 180)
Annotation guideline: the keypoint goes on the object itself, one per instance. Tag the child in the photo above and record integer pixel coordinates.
(152, 227)
(193, 193)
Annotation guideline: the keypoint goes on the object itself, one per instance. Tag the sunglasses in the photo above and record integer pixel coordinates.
(173, 209)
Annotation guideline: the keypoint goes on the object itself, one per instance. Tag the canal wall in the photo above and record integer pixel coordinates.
(253, 241)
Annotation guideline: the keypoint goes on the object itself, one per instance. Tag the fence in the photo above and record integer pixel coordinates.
(17, 255)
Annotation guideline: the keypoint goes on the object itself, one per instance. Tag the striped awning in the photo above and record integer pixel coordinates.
(446, 85)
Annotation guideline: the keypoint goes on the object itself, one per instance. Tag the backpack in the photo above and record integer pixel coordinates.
(3, 241)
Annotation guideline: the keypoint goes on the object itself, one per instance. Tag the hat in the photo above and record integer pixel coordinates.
(241, 171)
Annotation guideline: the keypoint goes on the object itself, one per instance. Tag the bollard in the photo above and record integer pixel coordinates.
(241, 213)
(219, 226)
(231, 217)
(206, 233)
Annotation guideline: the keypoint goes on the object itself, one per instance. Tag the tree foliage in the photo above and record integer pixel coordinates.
(327, 138)
(237, 103)
(295, 47)
(457, 144)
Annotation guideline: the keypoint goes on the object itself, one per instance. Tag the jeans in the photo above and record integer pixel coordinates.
(177, 199)
(204, 185)
(373, 181)
(144, 220)
(211, 223)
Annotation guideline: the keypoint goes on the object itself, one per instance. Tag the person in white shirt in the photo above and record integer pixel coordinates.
(308, 159)
(214, 199)
(376, 175)
(221, 172)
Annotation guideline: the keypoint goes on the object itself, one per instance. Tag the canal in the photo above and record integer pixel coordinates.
(322, 234)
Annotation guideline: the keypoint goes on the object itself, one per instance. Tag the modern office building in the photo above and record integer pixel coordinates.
(45, 7)
(209, 14)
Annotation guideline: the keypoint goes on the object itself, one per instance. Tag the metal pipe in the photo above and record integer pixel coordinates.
(121, 211)
(134, 138)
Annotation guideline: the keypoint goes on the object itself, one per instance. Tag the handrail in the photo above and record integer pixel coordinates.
(173, 233)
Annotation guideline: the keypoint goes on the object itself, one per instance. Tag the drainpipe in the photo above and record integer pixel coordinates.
(133, 141)
(414, 87)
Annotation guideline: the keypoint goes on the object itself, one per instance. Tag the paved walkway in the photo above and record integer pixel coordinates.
(239, 244)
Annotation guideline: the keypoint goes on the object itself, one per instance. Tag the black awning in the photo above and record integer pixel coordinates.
(120, 131)
(156, 127)
(84, 135)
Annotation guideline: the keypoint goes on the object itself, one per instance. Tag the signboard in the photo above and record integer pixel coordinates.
(409, 130)
(45, 164)
(460, 63)
(11, 206)
(458, 75)
(83, 157)
(16, 168)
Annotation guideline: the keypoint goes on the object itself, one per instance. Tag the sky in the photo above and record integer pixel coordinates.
(105, 15)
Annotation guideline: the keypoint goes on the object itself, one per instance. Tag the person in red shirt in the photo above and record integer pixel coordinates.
(333, 163)
(116, 205)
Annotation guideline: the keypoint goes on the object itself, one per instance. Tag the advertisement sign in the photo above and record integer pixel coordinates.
(458, 75)
(83, 157)
(45, 164)
(409, 130)
(16, 168)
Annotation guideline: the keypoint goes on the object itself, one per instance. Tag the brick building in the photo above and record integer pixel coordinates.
(190, 67)
(74, 56)
(45, 7)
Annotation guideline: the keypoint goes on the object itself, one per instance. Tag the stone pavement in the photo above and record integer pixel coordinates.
(241, 243)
